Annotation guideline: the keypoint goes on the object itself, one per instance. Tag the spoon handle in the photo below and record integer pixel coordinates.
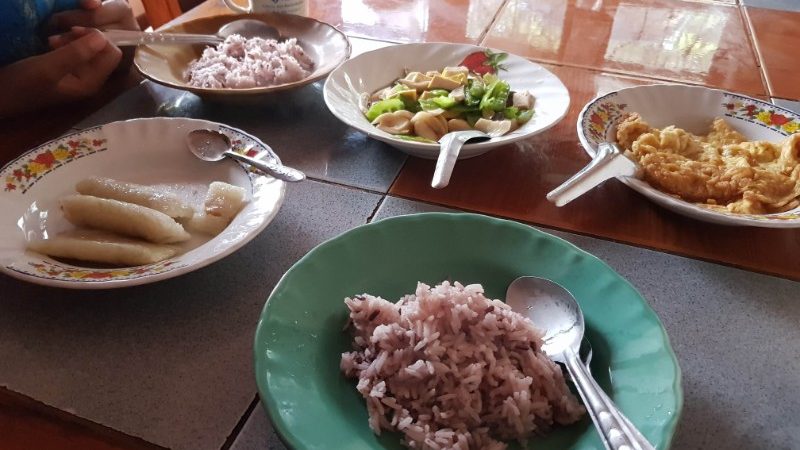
(639, 439)
(122, 38)
(449, 147)
(615, 432)
(448, 154)
(278, 171)
(609, 162)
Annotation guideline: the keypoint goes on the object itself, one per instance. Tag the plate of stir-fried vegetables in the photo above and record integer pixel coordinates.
(410, 95)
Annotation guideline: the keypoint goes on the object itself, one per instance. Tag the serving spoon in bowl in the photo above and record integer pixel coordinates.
(553, 309)
(608, 162)
(449, 147)
(211, 145)
(248, 28)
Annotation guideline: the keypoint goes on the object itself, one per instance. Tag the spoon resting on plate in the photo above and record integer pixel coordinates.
(248, 28)
(608, 162)
(552, 308)
(211, 145)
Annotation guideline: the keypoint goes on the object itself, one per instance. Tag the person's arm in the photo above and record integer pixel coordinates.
(77, 68)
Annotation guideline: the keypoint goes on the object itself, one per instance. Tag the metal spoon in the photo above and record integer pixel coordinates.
(211, 145)
(449, 147)
(552, 308)
(585, 355)
(248, 28)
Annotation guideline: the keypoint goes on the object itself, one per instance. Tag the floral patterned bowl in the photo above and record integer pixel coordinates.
(692, 108)
(146, 151)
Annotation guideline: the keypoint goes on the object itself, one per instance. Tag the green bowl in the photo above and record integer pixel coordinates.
(300, 337)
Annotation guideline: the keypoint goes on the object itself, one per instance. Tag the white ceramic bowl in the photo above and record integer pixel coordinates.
(146, 151)
(374, 70)
(692, 108)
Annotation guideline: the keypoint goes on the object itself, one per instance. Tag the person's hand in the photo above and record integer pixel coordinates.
(77, 67)
(103, 15)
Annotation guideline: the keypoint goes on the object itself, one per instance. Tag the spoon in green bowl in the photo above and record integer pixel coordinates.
(552, 308)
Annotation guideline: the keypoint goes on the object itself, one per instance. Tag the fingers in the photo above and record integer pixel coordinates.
(60, 40)
(78, 66)
(88, 78)
(113, 14)
(82, 49)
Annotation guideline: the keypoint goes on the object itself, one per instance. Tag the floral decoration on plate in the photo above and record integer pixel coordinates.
(603, 115)
(26, 171)
(742, 108)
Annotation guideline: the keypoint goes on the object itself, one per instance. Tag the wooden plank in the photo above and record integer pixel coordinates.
(26, 424)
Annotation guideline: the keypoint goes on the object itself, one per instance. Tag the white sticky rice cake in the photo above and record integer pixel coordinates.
(124, 218)
(148, 196)
(102, 247)
(223, 202)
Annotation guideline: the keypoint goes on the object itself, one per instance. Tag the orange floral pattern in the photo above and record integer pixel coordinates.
(601, 116)
(23, 173)
(770, 117)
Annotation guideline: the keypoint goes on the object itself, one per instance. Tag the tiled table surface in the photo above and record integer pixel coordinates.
(747, 48)
(171, 362)
(594, 47)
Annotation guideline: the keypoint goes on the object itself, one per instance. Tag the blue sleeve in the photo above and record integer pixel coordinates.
(20, 22)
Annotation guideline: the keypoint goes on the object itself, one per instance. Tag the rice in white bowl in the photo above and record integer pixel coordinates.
(247, 63)
(452, 369)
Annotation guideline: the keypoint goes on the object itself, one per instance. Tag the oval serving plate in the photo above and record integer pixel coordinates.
(692, 108)
(376, 69)
(166, 64)
(300, 336)
(145, 151)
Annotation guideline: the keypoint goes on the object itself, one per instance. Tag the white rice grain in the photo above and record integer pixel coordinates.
(241, 63)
